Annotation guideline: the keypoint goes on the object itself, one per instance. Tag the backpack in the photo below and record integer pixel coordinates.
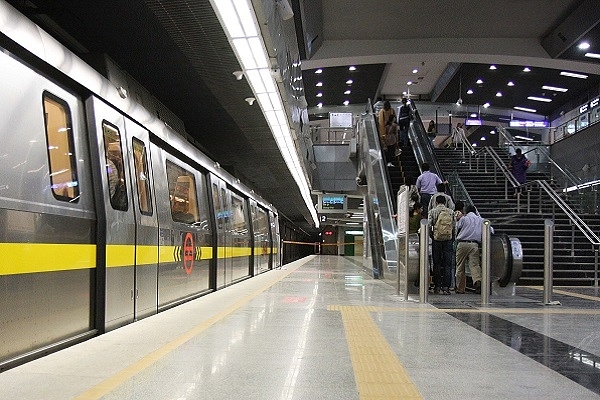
(442, 229)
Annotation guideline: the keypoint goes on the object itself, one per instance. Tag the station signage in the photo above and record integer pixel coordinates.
(473, 122)
(588, 106)
(528, 124)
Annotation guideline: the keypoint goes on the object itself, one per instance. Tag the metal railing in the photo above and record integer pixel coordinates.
(326, 135)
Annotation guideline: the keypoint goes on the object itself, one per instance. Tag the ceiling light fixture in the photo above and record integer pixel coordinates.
(320, 105)
(470, 91)
(498, 94)
(349, 82)
(347, 92)
(409, 83)
(523, 138)
(583, 46)
(542, 99)
(592, 55)
(414, 71)
(319, 84)
(479, 81)
(510, 83)
(573, 75)
(492, 67)
(486, 105)
(241, 27)
(238, 75)
(319, 94)
(460, 100)
(352, 68)
(554, 88)
(250, 100)
(525, 109)
(526, 69)
(346, 102)
(319, 71)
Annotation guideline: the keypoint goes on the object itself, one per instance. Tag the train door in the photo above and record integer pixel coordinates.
(127, 283)
(262, 240)
(275, 240)
(146, 223)
(233, 234)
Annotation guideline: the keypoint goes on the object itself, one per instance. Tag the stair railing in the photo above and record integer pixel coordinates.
(459, 191)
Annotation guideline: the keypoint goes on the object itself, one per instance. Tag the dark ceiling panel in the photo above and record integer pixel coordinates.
(365, 82)
(525, 84)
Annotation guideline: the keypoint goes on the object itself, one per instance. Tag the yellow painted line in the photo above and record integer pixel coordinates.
(127, 373)
(579, 295)
(27, 258)
(378, 372)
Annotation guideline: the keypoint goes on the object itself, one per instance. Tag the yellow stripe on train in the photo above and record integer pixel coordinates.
(27, 258)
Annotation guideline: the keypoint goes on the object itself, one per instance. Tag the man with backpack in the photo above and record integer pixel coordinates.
(441, 222)
(469, 229)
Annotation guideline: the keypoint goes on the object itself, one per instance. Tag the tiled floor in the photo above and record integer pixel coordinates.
(322, 328)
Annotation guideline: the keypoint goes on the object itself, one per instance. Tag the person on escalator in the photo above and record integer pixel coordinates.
(441, 191)
(391, 140)
(426, 184)
(404, 117)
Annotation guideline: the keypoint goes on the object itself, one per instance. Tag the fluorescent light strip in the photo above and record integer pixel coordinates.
(554, 88)
(592, 55)
(240, 24)
(525, 109)
(582, 186)
(573, 75)
(542, 99)
(523, 138)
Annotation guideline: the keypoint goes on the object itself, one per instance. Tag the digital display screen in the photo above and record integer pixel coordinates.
(332, 203)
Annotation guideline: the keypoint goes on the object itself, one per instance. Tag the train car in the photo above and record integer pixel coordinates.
(107, 215)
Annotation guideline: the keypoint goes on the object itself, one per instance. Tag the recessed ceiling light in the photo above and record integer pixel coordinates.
(318, 71)
(479, 81)
(409, 83)
(470, 91)
(526, 69)
(584, 46)
(320, 105)
(347, 92)
(482, 138)
(414, 71)
(486, 105)
(492, 132)
(473, 115)
(573, 75)
(319, 94)
(542, 99)
(346, 102)
(474, 144)
(352, 68)
(498, 94)
(592, 55)
(525, 109)
(554, 88)
(349, 82)
(492, 67)
(510, 83)
(319, 84)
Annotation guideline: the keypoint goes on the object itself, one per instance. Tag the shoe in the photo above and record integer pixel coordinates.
(436, 290)
(446, 291)
(477, 287)
(460, 292)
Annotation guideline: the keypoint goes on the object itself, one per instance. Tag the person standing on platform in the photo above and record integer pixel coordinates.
(404, 117)
(441, 222)
(383, 118)
(518, 166)
(469, 229)
(426, 184)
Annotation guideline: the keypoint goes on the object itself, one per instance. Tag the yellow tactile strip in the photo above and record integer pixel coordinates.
(567, 293)
(377, 370)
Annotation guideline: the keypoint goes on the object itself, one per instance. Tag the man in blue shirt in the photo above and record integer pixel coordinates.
(427, 186)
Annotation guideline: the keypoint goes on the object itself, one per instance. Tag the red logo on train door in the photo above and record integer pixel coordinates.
(188, 253)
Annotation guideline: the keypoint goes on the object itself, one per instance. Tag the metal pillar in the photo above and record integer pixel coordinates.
(423, 261)
(486, 247)
(548, 259)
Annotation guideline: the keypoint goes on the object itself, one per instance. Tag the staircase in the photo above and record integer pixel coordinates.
(574, 256)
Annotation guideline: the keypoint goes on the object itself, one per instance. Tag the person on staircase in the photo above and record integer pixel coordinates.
(404, 117)
(458, 135)
(391, 140)
(441, 191)
(518, 166)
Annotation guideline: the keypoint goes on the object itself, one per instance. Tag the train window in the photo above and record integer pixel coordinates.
(182, 194)
(140, 160)
(117, 188)
(61, 150)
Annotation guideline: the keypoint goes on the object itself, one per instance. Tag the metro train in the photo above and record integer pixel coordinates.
(107, 215)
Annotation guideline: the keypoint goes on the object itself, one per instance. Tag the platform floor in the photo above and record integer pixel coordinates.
(322, 328)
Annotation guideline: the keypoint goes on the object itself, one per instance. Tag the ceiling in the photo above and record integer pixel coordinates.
(178, 51)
